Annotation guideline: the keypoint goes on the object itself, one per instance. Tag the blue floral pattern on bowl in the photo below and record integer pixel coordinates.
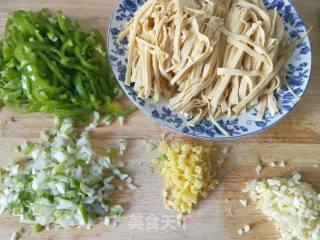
(299, 70)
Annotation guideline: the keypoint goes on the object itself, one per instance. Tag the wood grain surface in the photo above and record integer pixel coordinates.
(295, 140)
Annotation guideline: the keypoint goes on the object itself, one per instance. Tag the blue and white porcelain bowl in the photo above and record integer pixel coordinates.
(299, 69)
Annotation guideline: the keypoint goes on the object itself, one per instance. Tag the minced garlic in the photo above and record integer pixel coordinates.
(188, 172)
(244, 230)
(272, 164)
(243, 202)
(292, 204)
(282, 164)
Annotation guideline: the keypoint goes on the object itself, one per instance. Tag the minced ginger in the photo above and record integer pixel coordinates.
(189, 174)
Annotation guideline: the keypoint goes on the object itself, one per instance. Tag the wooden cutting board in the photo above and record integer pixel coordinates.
(295, 140)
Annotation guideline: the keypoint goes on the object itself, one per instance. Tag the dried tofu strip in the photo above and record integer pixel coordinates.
(207, 57)
(239, 72)
(256, 91)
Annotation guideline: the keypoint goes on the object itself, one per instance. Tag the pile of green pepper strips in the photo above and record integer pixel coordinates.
(49, 64)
